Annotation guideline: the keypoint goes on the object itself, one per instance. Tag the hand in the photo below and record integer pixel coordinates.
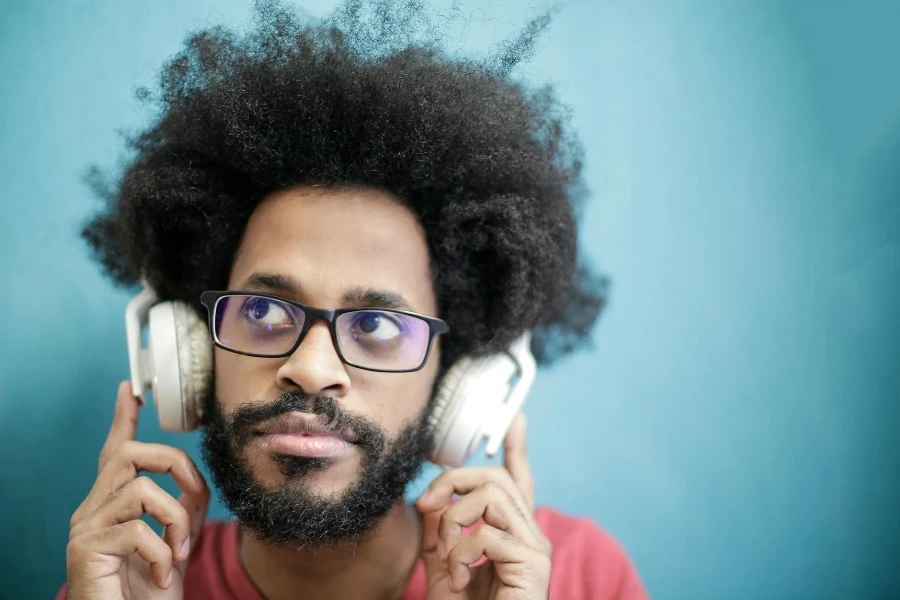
(517, 552)
(112, 553)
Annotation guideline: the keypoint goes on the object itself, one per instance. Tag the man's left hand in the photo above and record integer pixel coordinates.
(517, 553)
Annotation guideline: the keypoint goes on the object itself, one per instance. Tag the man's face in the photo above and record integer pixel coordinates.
(326, 249)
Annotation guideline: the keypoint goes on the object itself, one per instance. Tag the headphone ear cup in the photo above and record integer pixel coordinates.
(445, 408)
(467, 406)
(195, 362)
(181, 353)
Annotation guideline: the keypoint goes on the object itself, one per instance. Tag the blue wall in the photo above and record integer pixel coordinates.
(735, 425)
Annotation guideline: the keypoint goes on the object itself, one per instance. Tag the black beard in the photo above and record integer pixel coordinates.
(292, 515)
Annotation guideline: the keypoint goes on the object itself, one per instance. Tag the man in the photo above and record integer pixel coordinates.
(342, 165)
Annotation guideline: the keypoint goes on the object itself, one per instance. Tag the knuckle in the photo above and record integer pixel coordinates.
(446, 521)
(541, 563)
(143, 485)
(124, 449)
(449, 473)
(444, 479)
(74, 531)
(137, 529)
(500, 475)
(493, 491)
(483, 533)
(76, 518)
(75, 550)
(184, 458)
(498, 472)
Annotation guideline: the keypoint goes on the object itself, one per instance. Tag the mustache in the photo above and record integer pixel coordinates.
(248, 416)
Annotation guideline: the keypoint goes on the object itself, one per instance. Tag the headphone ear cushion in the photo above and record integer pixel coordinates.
(445, 407)
(195, 362)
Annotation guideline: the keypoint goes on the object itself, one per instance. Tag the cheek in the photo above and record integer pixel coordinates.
(395, 399)
(241, 379)
(390, 399)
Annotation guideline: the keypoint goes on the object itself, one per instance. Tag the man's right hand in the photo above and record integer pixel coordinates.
(112, 553)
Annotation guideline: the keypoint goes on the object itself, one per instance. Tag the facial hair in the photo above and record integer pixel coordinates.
(293, 514)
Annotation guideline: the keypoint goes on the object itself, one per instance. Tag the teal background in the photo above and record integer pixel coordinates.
(736, 422)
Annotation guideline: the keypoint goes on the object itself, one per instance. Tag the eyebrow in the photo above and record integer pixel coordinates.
(357, 296)
(375, 298)
(273, 281)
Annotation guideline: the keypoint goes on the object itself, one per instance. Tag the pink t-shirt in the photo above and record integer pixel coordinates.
(587, 564)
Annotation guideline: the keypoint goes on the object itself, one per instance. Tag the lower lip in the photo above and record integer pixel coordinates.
(312, 446)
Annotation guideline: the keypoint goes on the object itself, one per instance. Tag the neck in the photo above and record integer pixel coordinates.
(379, 566)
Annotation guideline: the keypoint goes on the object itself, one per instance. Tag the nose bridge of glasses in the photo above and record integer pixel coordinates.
(313, 314)
(323, 317)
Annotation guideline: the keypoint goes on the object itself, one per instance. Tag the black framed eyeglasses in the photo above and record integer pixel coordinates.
(375, 339)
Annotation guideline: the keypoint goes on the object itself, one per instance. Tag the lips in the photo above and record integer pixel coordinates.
(303, 434)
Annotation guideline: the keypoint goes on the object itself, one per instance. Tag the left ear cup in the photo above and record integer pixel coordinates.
(477, 401)
(451, 444)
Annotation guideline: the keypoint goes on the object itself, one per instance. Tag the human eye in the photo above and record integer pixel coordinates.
(375, 326)
(266, 313)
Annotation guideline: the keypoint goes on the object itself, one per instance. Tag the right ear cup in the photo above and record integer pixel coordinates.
(477, 400)
(445, 411)
(177, 363)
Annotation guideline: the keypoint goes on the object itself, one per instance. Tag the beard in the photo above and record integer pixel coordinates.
(293, 514)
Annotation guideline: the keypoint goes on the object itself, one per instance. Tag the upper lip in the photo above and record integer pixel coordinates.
(304, 423)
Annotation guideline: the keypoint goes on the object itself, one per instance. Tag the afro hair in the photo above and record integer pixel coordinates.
(364, 97)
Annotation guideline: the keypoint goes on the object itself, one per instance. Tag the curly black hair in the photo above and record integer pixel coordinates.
(364, 97)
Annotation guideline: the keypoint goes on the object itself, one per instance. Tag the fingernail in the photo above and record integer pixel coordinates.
(169, 579)
(185, 548)
(440, 548)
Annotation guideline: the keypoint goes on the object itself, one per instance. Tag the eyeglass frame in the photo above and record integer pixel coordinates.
(210, 300)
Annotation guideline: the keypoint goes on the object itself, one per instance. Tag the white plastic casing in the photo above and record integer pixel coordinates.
(478, 400)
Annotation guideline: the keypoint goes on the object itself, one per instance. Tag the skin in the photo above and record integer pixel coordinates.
(330, 244)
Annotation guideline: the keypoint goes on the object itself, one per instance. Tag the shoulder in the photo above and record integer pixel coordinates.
(588, 563)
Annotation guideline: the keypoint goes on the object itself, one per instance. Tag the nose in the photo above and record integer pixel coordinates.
(315, 366)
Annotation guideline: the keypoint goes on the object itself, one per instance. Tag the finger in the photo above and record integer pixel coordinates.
(491, 503)
(497, 546)
(123, 540)
(515, 458)
(464, 480)
(517, 565)
(436, 575)
(430, 525)
(196, 506)
(131, 458)
(135, 499)
(124, 425)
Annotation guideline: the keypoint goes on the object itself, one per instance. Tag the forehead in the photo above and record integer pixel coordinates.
(332, 241)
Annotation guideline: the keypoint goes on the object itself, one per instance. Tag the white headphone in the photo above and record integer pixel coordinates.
(476, 400)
